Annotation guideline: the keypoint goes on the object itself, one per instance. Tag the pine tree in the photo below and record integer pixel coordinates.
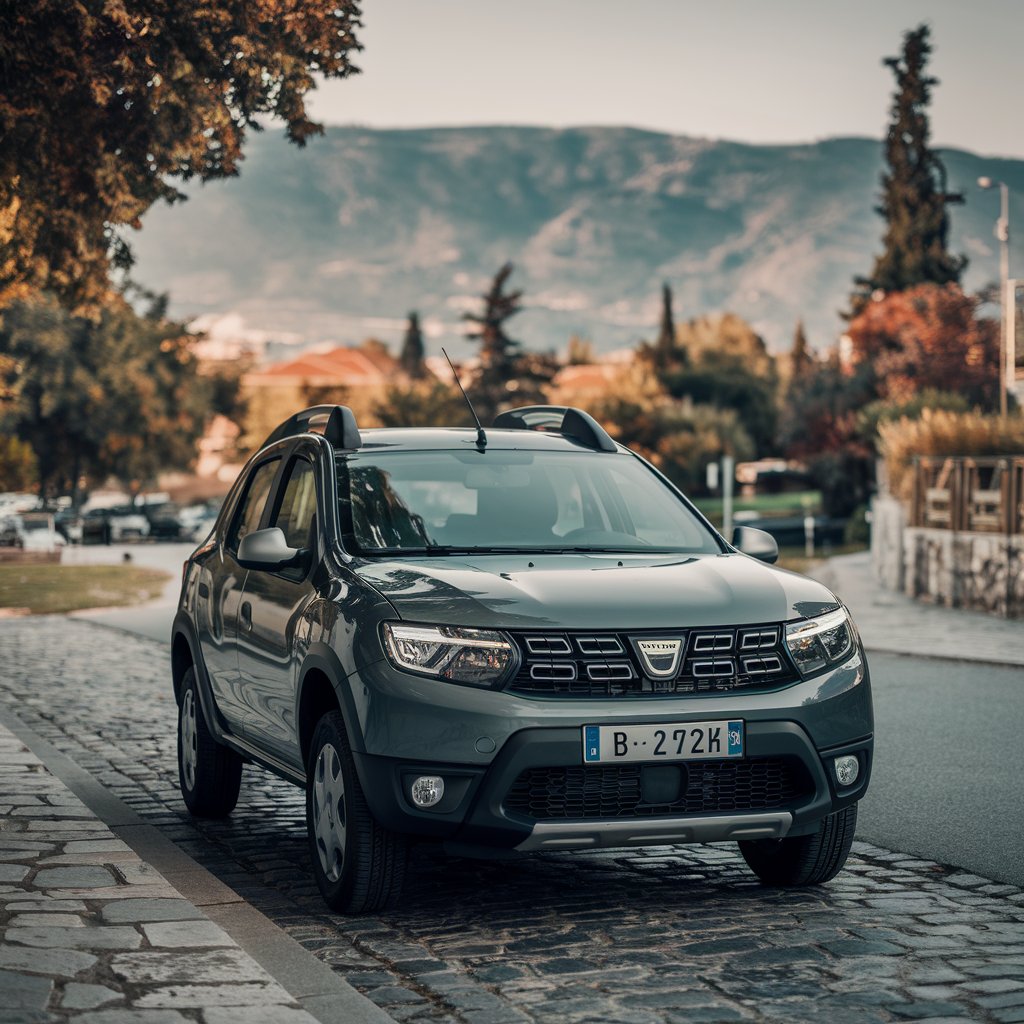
(411, 357)
(497, 350)
(914, 196)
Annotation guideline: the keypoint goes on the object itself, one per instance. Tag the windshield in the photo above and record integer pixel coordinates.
(444, 501)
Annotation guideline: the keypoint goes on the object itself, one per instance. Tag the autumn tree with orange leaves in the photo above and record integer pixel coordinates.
(928, 337)
(107, 106)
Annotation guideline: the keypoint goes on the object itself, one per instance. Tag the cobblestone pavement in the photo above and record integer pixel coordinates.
(667, 935)
(92, 933)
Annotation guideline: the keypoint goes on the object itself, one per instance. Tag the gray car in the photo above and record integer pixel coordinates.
(518, 639)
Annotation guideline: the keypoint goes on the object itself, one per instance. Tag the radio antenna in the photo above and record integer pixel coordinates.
(481, 437)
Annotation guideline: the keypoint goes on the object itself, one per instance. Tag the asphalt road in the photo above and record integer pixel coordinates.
(949, 747)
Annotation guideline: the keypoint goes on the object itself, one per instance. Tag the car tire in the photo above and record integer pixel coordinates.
(804, 860)
(359, 865)
(209, 774)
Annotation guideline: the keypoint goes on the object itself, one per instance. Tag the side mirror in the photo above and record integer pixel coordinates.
(267, 550)
(755, 543)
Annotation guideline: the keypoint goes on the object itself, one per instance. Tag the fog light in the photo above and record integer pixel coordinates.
(427, 790)
(847, 769)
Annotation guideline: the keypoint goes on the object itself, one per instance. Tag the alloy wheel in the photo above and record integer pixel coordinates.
(329, 822)
(189, 739)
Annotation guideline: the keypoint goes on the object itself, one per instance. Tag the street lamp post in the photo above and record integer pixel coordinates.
(1003, 234)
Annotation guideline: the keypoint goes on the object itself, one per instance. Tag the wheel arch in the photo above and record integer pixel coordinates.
(186, 654)
(324, 687)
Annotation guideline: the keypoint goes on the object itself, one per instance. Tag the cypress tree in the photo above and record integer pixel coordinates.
(665, 346)
(411, 357)
(914, 196)
(800, 357)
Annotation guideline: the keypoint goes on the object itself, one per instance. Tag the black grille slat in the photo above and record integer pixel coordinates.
(616, 791)
(714, 660)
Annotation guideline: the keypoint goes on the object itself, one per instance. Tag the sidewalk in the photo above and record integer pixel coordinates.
(898, 624)
(91, 932)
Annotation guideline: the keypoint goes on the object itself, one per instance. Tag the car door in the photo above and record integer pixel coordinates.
(273, 630)
(223, 578)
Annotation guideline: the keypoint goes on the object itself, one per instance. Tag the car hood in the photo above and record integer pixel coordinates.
(594, 591)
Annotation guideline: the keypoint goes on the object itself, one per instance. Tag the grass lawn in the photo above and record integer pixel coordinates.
(50, 589)
(797, 561)
(794, 504)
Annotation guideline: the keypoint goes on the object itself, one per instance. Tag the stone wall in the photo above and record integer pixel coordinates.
(981, 571)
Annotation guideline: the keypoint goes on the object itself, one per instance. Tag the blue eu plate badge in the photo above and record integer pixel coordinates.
(592, 743)
(735, 738)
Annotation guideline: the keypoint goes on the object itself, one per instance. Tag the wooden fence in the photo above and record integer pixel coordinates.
(976, 495)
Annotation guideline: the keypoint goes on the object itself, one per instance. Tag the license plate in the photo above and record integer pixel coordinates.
(675, 741)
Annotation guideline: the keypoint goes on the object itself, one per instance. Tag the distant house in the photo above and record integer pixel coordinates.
(343, 375)
(579, 383)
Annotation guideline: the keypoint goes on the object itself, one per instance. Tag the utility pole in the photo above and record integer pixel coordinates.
(1003, 235)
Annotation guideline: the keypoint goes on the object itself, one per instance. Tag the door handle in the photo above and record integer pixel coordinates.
(245, 614)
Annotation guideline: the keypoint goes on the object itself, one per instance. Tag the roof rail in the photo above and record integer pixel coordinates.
(558, 419)
(337, 423)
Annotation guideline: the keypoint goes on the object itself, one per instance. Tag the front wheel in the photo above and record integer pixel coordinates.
(804, 860)
(358, 865)
(210, 775)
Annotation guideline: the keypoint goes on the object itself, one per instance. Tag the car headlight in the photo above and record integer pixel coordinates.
(819, 642)
(479, 657)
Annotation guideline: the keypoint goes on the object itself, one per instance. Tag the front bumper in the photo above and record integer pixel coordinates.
(802, 727)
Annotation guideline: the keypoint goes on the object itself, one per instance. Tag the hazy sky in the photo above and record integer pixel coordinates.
(750, 70)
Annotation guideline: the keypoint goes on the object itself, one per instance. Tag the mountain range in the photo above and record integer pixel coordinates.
(338, 241)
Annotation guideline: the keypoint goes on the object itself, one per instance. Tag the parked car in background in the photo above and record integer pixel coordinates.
(69, 524)
(30, 531)
(198, 520)
(165, 521)
(114, 525)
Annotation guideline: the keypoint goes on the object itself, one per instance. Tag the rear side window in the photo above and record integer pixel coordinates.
(254, 501)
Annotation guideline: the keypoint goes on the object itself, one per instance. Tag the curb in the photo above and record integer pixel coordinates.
(313, 984)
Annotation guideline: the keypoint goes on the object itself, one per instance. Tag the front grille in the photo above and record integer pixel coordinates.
(712, 660)
(639, 791)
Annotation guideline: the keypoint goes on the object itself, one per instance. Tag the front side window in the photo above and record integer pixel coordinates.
(297, 512)
(512, 500)
(250, 508)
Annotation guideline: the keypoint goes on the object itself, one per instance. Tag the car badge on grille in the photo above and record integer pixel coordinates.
(659, 655)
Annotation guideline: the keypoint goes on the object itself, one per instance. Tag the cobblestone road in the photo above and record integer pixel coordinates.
(673, 934)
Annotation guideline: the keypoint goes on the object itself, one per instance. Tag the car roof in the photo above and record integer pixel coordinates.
(378, 439)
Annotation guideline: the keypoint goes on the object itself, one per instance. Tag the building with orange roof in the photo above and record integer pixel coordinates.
(344, 375)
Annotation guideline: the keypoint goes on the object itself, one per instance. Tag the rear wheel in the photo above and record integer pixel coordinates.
(209, 774)
(804, 860)
(358, 865)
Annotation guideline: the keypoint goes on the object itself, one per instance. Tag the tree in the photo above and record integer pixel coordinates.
(105, 106)
(801, 358)
(665, 355)
(725, 363)
(411, 357)
(679, 436)
(421, 403)
(914, 196)
(121, 395)
(504, 372)
(820, 426)
(17, 465)
(931, 336)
